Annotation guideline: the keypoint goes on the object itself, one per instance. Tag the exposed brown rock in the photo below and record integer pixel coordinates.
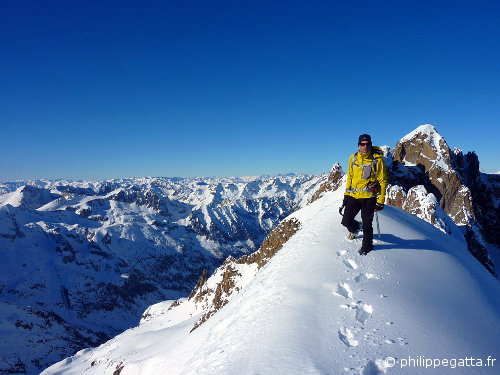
(331, 184)
(419, 150)
(174, 304)
(395, 196)
(442, 179)
(199, 285)
(273, 242)
(219, 297)
(425, 159)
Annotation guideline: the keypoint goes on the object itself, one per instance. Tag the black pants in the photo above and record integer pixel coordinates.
(367, 208)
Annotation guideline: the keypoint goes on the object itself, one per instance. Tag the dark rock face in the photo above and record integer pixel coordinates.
(484, 191)
(424, 158)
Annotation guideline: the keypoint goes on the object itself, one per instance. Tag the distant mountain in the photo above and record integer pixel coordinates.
(83, 260)
(307, 303)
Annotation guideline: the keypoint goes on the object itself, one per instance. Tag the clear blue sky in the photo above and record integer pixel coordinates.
(107, 89)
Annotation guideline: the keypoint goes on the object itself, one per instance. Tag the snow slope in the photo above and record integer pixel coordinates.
(319, 308)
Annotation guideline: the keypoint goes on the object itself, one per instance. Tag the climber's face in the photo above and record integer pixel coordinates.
(364, 147)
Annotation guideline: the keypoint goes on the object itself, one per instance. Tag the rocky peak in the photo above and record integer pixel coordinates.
(423, 146)
(422, 158)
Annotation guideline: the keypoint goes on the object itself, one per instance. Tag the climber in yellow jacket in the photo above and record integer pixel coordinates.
(365, 191)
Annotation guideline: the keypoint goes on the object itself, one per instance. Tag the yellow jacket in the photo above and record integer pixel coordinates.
(361, 173)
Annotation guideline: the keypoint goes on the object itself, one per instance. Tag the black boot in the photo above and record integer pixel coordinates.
(365, 249)
(352, 235)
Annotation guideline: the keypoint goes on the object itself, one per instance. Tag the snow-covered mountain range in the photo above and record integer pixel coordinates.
(307, 303)
(84, 260)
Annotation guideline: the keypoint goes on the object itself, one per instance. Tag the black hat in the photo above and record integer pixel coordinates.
(364, 137)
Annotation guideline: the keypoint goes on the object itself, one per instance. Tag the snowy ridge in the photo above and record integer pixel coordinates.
(319, 308)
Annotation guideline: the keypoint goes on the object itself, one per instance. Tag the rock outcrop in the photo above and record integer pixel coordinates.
(331, 184)
(422, 158)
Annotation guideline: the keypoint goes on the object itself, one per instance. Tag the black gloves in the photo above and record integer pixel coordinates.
(379, 206)
(344, 203)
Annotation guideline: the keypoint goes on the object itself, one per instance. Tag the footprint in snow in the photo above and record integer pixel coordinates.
(349, 307)
(343, 290)
(364, 312)
(351, 263)
(347, 337)
(365, 276)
